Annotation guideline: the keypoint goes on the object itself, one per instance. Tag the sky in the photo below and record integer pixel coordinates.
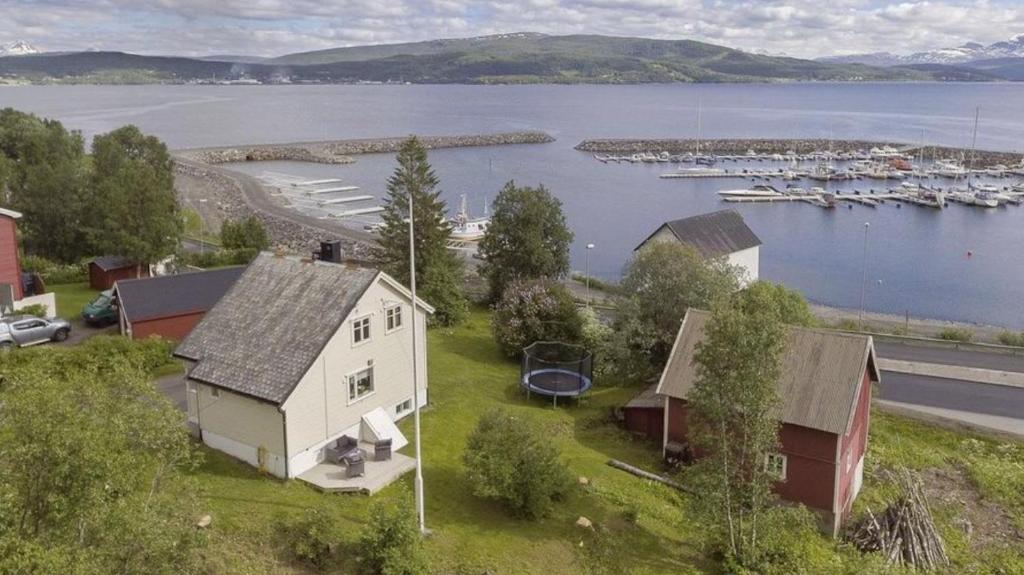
(802, 28)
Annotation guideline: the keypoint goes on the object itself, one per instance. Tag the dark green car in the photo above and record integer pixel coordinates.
(102, 310)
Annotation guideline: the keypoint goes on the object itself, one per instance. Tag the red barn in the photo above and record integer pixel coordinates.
(825, 402)
(170, 306)
(10, 267)
(104, 271)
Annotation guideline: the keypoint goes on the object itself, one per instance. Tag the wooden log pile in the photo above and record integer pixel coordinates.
(904, 533)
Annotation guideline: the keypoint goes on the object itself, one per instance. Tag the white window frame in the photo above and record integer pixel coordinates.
(776, 471)
(351, 385)
(367, 328)
(390, 312)
(403, 407)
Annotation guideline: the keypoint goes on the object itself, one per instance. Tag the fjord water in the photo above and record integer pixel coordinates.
(917, 258)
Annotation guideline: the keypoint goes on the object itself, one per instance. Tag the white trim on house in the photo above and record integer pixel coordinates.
(10, 213)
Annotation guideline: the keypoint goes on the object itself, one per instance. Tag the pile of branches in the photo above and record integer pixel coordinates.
(905, 533)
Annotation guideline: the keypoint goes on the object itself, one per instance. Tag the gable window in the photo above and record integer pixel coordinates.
(360, 384)
(361, 330)
(392, 318)
(775, 465)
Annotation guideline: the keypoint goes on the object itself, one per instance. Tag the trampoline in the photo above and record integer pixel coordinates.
(555, 369)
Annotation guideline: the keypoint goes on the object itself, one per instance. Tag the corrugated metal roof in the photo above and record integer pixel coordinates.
(263, 335)
(714, 234)
(821, 373)
(165, 296)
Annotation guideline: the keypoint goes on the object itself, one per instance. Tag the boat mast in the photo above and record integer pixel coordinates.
(698, 125)
(974, 147)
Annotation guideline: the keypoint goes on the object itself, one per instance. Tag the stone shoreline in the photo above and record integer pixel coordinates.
(341, 151)
(983, 158)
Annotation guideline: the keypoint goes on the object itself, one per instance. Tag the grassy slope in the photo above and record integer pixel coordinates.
(467, 376)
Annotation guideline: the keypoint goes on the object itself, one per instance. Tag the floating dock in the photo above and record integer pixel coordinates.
(345, 200)
(334, 190)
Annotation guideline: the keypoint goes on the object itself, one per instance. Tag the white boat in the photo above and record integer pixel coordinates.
(468, 229)
(759, 190)
(985, 200)
(948, 169)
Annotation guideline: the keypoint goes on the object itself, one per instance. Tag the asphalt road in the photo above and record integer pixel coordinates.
(980, 398)
(950, 356)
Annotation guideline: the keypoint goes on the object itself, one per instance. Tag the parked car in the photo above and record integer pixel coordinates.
(102, 310)
(26, 330)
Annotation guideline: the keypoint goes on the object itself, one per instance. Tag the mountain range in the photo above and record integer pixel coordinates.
(17, 48)
(504, 58)
(963, 54)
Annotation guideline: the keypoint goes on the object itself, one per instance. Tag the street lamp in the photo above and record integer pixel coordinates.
(864, 273)
(589, 247)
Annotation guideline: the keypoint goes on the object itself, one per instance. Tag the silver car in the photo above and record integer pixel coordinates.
(26, 330)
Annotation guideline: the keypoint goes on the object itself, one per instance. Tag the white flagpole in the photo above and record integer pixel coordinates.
(418, 482)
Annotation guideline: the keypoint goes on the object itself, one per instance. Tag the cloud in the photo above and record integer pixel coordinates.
(804, 28)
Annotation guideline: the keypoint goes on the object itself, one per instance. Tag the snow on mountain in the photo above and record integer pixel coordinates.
(17, 48)
(969, 52)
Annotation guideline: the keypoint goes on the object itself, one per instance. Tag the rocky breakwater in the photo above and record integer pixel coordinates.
(341, 151)
(737, 147)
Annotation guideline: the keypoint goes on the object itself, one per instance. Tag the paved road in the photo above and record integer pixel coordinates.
(944, 393)
(950, 356)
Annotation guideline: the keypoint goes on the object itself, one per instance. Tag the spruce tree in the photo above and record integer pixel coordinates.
(439, 270)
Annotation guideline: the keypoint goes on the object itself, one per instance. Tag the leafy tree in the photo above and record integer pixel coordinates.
(313, 537)
(134, 206)
(535, 310)
(661, 282)
(439, 270)
(90, 465)
(734, 425)
(787, 305)
(248, 233)
(508, 458)
(391, 543)
(43, 175)
(528, 238)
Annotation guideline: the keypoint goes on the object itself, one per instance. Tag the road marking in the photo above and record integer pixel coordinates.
(971, 374)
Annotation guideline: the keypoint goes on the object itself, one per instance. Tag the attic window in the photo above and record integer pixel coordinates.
(361, 330)
(393, 318)
(775, 465)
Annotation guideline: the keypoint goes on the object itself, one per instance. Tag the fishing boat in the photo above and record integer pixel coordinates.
(948, 169)
(468, 229)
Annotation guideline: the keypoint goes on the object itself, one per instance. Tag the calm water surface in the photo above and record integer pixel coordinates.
(917, 258)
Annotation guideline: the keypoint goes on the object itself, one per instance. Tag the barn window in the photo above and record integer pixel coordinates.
(393, 318)
(775, 465)
(361, 330)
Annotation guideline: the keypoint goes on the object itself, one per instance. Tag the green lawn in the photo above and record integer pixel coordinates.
(642, 527)
(71, 298)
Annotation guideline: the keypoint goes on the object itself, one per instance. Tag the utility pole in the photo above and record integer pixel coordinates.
(418, 482)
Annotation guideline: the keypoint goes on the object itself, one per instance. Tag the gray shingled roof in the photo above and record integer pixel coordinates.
(714, 234)
(168, 296)
(107, 263)
(264, 334)
(821, 373)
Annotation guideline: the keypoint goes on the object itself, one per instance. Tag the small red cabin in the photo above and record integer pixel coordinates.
(10, 266)
(825, 395)
(104, 271)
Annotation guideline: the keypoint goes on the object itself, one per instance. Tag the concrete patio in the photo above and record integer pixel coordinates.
(330, 477)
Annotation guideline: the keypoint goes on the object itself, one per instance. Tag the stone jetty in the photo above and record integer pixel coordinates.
(341, 151)
(983, 158)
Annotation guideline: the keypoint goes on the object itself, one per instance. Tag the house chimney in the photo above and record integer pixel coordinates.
(330, 251)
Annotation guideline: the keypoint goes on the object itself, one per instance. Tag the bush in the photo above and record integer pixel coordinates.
(391, 543)
(218, 258)
(956, 334)
(508, 459)
(534, 310)
(248, 233)
(148, 354)
(55, 273)
(36, 309)
(1010, 338)
(312, 537)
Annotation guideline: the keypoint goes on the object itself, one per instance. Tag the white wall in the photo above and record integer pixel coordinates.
(47, 299)
(318, 410)
(239, 425)
(749, 260)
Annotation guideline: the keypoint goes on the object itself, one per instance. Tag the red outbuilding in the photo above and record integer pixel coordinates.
(170, 306)
(10, 267)
(825, 402)
(104, 271)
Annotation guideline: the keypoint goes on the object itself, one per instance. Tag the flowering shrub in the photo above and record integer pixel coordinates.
(534, 310)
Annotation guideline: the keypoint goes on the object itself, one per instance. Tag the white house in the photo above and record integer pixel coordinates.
(299, 353)
(716, 234)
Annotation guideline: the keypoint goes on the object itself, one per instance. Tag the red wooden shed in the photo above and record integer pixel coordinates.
(825, 402)
(104, 271)
(10, 267)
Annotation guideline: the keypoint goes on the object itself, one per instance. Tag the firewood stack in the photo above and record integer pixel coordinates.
(905, 533)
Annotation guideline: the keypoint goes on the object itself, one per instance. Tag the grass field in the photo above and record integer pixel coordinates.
(641, 527)
(71, 298)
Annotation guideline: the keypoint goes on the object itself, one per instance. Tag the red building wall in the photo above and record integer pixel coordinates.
(649, 421)
(175, 327)
(854, 443)
(10, 267)
(104, 280)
